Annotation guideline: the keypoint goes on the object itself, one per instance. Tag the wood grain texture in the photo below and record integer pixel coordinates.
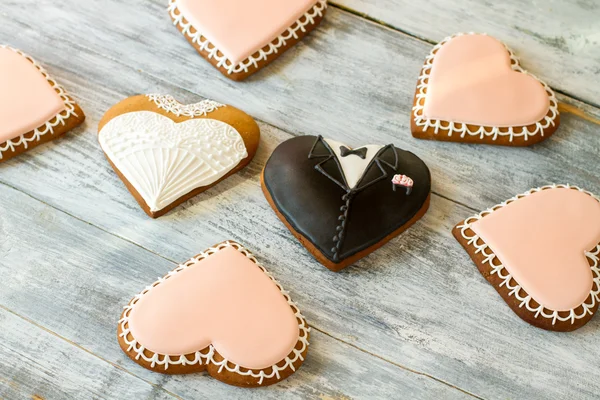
(418, 303)
(557, 40)
(36, 364)
(78, 293)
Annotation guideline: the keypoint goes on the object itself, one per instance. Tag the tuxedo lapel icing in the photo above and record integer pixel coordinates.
(327, 163)
(352, 169)
(385, 160)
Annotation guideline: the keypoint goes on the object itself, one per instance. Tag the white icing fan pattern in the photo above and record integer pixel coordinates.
(164, 160)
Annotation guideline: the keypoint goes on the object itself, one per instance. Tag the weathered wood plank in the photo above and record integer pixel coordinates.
(35, 364)
(339, 67)
(558, 41)
(433, 299)
(73, 279)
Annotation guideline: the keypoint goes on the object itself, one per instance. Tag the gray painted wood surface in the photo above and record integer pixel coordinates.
(414, 320)
(557, 40)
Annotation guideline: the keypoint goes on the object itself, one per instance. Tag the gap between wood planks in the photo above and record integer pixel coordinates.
(399, 365)
(568, 108)
(565, 107)
(177, 263)
(35, 397)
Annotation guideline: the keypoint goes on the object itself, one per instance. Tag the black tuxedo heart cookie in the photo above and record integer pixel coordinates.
(342, 204)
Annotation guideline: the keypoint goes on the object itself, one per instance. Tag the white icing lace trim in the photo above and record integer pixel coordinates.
(204, 44)
(169, 104)
(515, 289)
(208, 357)
(47, 127)
(481, 131)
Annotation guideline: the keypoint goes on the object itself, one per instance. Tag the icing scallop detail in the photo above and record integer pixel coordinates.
(239, 28)
(225, 300)
(169, 104)
(472, 81)
(542, 239)
(27, 99)
(164, 160)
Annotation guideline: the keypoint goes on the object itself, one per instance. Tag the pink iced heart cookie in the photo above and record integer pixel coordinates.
(472, 89)
(540, 251)
(239, 37)
(221, 312)
(33, 107)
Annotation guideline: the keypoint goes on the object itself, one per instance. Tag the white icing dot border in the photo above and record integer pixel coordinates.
(204, 44)
(170, 104)
(48, 126)
(208, 357)
(482, 131)
(515, 289)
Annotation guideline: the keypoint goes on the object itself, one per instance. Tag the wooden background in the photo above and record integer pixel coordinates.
(413, 320)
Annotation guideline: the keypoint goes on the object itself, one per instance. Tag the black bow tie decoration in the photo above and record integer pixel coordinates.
(362, 152)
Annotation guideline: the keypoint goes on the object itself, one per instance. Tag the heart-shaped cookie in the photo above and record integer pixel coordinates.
(473, 90)
(167, 152)
(344, 203)
(540, 251)
(34, 109)
(222, 312)
(239, 37)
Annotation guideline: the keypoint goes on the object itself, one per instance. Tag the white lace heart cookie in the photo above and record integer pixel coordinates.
(473, 90)
(240, 37)
(166, 152)
(220, 311)
(34, 109)
(540, 251)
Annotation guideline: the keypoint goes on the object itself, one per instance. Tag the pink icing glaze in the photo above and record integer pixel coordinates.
(224, 299)
(541, 240)
(27, 100)
(471, 81)
(238, 28)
